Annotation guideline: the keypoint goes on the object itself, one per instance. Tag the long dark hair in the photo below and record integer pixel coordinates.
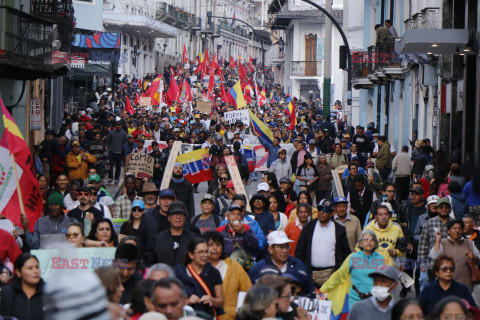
(192, 245)
(440, 307)
(401, 305)
(21, 260)
(271, 176)
(93, 231)
(309, 198)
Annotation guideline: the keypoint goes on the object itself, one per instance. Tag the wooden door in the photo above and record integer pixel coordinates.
(311, 55)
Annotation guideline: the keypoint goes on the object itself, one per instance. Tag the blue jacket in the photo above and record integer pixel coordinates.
(459, 205)
(433, 292)
(272, 151)
(294, 267)
(262, 241)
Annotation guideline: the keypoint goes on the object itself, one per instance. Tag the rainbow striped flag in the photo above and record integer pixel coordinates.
(13, 144)
(262, 129)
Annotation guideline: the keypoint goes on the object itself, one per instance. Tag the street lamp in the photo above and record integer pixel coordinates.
(349, 57)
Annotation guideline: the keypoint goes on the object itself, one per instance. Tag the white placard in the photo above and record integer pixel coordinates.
(238, 115)
(317, 309)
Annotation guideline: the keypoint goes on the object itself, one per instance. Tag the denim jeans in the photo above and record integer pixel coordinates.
(115, 159)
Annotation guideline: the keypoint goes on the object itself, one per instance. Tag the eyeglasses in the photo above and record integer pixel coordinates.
(445, 269)
(224, 179)
(288, 296)
(283, 152)
(413, 317)
(83, 193)
(137, 209)
(457, 317)
(72, 235)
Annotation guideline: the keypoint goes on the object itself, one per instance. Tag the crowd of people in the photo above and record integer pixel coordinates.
(391, 220)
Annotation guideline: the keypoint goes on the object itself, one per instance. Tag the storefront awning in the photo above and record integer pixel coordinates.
(434, 41)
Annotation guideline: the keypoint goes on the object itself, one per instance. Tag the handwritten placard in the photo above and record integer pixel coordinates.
(204, 106)
(239, 115)
(236, 178)
(140, 164)
(172, 158)
(317, 309)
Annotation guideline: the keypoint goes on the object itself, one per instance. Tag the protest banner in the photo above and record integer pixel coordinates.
(141, 165)
(204, 106)
(79, 259)
(196, 166)
(338, 183)
(238, 115)
(172, 158)
(145, 101)
(317, 309)
(236, 178)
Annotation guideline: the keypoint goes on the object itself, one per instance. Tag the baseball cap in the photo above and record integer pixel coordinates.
(281, 150)
(346, 136)
(325, 205)
(130, 136)
(285, 180)
(417, 189)
(138, 203)
(167, 193)
(75, 143)
(337, 200)
(235, 207)
(208, 196)
(85, 189)
(443, 200)
(278, 237)
(177, 207)
(176, 130)
(432, 199)
(312, 141)
(230, 184)
(197, 116)
(386, 271)
(94, 177)
(263, 186)
(370, 164)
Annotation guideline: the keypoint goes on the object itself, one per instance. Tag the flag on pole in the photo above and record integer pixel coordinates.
(261, 98)
(251, 67)
(173, 91)
(233, 64)
(290, 111)
(185, 55)
(222, 92)
(233, 19)
(241, 72)
(128, 106)
(211, 84)
(14, 152)
(137, 99)
(235, 96)
(262, 129)
(248, 94)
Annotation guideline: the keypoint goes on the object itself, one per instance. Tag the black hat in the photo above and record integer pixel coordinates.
(177, 207)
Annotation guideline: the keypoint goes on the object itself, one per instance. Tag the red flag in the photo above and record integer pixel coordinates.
(251, 67)
(214, 63)
(152, 91)
(233, 64)
(128, 106)
(261, 97)
(12, 143)
(241, 72)
(137, 99)
(211, 83)
(248, 94)
(173, 91)
(185, 55)
(222, 91)
(206, 62)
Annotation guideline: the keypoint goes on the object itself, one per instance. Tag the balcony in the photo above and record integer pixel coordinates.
(306, 68)
(275, 55)
(26, 43)
(428, 18)
(361, 69)
(173, 16)
(237, 30)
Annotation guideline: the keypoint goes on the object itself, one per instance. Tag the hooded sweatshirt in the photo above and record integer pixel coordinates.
(459, 205)
(387, 239)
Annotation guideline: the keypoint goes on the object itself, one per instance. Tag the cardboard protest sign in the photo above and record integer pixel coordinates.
(77, 259)
(204, 106)
(141, 165)
(145, 101)
(236, 178)
(317, 309)
(338, 183)
(238, 115)
(172, 158)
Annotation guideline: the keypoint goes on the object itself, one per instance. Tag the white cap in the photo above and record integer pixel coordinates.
(388, 205)
(432, 199)
(278, 237)
(263, 186)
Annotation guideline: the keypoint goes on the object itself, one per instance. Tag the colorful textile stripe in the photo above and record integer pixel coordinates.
(196, 165)
(290, 111)
(235, 96)
(12, 143)
(262, 129)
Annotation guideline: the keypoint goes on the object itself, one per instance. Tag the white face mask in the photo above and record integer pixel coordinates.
(380, 293)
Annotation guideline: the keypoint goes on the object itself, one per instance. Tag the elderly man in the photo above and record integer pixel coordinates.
(350, 222)
(183, 189)
(280, 262)
(167, 297)
(379, 306)
(281, 167)
(170, 246)
(150, 195)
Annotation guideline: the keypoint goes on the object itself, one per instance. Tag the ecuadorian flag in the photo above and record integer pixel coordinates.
(262, 129)
(235, 96)
(196, 165)
(15, 155)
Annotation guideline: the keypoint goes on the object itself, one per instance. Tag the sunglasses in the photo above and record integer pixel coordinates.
(224, 179)
(72, 235)
(84, 193)
(445, 269)
(137, 210)
(283, 152)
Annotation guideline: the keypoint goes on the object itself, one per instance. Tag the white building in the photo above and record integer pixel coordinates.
(303, 28)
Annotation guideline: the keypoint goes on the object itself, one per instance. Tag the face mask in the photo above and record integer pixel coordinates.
(380, 293)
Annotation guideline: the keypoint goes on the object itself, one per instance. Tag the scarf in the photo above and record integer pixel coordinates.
(178, 180)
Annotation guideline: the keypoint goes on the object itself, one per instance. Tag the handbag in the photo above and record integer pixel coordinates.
(475, 272)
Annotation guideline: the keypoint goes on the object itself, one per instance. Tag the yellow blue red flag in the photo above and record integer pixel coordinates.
(235, 96)
(262, 129)
(196, 165)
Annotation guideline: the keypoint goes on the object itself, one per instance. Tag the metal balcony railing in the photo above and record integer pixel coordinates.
(306, 68)
(383, 55)
(173, 15)
(361, 65)
(53, 10)
(227, 26)
(24, 37)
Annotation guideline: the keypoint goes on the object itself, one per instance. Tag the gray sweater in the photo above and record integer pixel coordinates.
(116, 140)
(402, 165)
(369, 309)
(47, 231)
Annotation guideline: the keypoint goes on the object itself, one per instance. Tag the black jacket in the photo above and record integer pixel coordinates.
(159, 159)
(184, 192)
(362, 204)
(79, 215)
(303, 251)
(14, 301)
(161, 250)
(403, 218)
